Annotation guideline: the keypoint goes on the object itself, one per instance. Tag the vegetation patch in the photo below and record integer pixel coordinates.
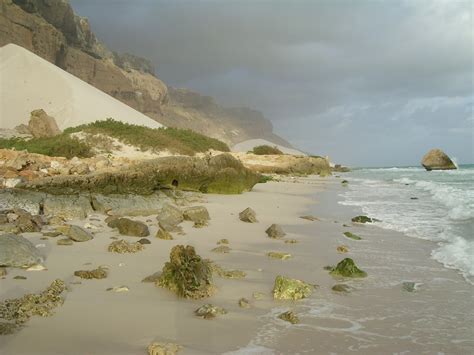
(352, 236)
(266, 150)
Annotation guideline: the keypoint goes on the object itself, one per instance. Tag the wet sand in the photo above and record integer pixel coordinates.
(378, 316)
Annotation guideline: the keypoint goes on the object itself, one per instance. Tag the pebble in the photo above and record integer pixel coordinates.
(37, 267)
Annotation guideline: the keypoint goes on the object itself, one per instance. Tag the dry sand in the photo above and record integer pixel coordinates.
(377, 317)
(28, 82)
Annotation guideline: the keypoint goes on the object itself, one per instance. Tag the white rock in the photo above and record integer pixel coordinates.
(37, 267)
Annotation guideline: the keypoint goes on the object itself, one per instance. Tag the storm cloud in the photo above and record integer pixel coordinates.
(365, 82)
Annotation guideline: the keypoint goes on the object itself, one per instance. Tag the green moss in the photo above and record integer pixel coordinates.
(352, 236)
(347, 268)
(364, 219)
(266, 150)
(180, 141)
(291, 289)
(265, 178)
(58, 146)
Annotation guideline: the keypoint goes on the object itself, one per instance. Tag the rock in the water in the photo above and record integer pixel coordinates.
(78, 234)
(99, 273)
(187, 274)
(121, 246)
(347, 268)
(222, 249)
(16, 251)
(342, 249)
(144, 241)
(341, 288)
(436, 159)
(163, 348)
(290, 289)
(64, 241)
(289, 317)
(244, 303)
(364, 219)
(42, 125)
(209, 311)
(278, 255)
(248, 215)
(26, 223)
(275, 231)
(163, 234)
(170, 217)
(132, 228)
(197, 214)
(352, 236)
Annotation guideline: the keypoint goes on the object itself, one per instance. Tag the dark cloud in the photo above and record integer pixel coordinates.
(366, 82)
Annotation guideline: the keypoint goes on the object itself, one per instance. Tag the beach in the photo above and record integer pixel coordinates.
(376, 316)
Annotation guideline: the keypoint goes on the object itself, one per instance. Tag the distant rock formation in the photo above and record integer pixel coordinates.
(436, 159)
(42, 125)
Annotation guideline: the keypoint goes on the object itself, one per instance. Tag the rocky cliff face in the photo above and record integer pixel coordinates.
(50, 29)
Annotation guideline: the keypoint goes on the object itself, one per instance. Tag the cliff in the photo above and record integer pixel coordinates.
(50, 29)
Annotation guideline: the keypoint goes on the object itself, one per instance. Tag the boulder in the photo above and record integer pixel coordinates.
(347, 268)
(16, 251)
(275, 231)
(196, 214)
(248, 215)
(290, 289)
(77, 233)
(436, 159)
(132, 228)
(209, 311)
(290, 317)
(42, 125)
(170, 216)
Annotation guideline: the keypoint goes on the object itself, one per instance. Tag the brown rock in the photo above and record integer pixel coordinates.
(42, 125)
(436, 159)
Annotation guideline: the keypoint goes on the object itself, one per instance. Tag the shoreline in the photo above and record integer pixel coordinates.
(374, 317)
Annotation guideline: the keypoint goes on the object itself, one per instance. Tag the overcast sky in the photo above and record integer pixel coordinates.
(369, 83)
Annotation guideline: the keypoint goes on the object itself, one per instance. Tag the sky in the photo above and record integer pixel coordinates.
(368, 83)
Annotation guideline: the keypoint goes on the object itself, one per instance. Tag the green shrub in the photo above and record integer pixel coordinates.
(58, 146)
(180, 141)
(266, 150)
(265, 178)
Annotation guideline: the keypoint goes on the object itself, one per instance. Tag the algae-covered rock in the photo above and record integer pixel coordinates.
(223, 241)
(409, 286)
(352, 236)
(347, 268)
(209, 311)
(77, 233)
(248, 215)
(342, 249)
(291, 289)
(290, 317)
(132, 228)
(278, 255)
(7, 328)
(187, 274)
(222, 249)
(162, 233)
(157, 348)
(197, 214)
(341, 288)
(275, 231)
(153, 278)
(244, 303)
(121, 247)
(99, 273)
(19, 310)
(16, 251)
(364, 219)
(344, 182)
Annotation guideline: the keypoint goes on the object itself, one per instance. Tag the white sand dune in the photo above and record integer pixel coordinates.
(28, 82)
(251, 143)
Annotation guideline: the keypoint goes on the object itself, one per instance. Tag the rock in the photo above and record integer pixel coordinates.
(78, 234)
(16, 251)
(37, 267)
(310, 218)
(119, 289)
(290, 317)
(364, 219)
(187, 274)
(345, 182)
(347, 268)
(342, 249)
(222, 241)
(291, 289)
(9, 228)
(144, 241)
(52, 234)
(132, 228)
(99, 273)
(209, 311)
(26, 223)
(436, 159)
(278, 255)
(3, 271)
(163, 234)
(121, 247)
(352, 236)
(248, 215)
(244, 303)
(80, 169)
(275, 231)
(163, 348)
(196, 214)
(153, 278)
(291, 241)
(8, 328)
(409, 286)
(223, 249)
(112, 221)
(18, 277)
(228, 274)
(42, 125)
(64, 241)
(170, 217)
(342, 288)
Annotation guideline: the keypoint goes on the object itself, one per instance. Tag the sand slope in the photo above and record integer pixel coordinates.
(28, 82)
(251, 143)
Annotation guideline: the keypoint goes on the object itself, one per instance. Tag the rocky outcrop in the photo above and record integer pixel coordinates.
(436, 159)
(16, 251)
(218, 174)
(42, 125)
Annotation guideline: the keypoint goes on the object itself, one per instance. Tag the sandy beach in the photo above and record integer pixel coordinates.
(377, 316)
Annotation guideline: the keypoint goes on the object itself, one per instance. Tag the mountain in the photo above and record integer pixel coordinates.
(50, 29)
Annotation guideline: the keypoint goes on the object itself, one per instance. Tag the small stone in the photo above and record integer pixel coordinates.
(19, 277)
(342, 288)
(37, 267)
(163, 348)
(310, 218)
(163, 234)
(99, 273)
(64, 241)
(275, 231)
(121, 246)
(144, 241)
(244, 303)
(364, 219)
(3, 271)
(344, 182)
(196, 214)
(409, 286)
(278, 255)
(289, 317)
(248, 215)
(352, 236)
(342, 249)
(223, 241)
(120, 289)
(78, 234)
(291, 241)
(209, 311)
(222, 249)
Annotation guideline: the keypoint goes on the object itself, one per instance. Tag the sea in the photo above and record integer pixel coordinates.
(433, 205)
